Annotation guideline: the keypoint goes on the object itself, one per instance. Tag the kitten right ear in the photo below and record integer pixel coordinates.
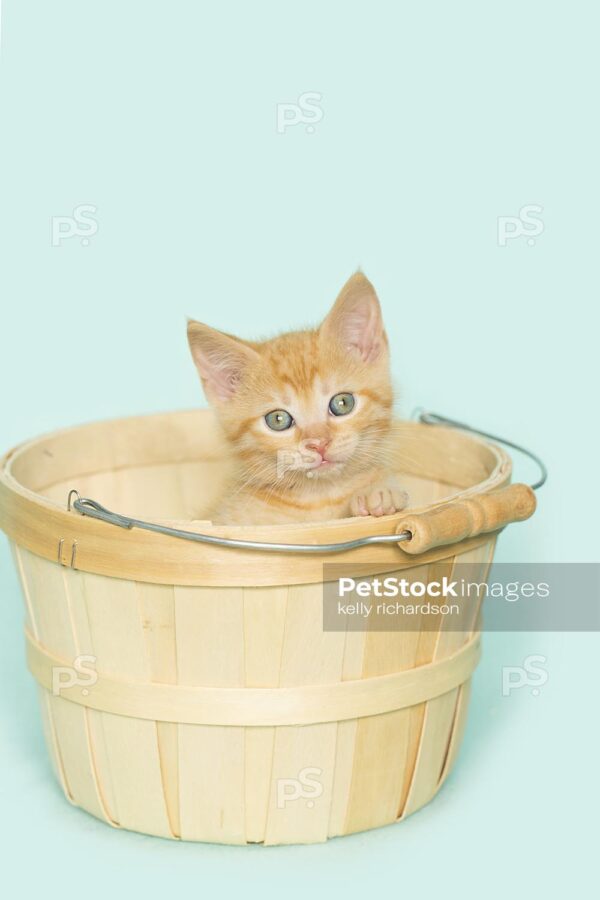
(220, 359)
(355, 319)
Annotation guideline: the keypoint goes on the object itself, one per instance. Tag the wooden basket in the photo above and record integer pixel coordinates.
(190, 691)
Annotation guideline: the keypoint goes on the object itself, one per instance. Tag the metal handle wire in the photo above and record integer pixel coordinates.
(430, 418)
(91, 508)
(87, 507)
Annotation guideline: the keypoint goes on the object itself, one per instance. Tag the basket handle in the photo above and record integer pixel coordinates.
(447, 524)
(467, 518)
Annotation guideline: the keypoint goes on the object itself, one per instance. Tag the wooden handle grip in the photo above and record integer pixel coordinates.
(467, 518)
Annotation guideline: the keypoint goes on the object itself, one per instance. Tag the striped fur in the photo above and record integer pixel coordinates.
(276, 474)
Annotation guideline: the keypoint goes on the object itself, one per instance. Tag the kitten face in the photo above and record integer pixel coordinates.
(306, 405)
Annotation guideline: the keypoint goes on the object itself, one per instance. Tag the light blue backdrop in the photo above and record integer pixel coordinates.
(428, 123)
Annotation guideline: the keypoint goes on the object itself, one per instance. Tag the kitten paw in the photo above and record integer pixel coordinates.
(381, 501)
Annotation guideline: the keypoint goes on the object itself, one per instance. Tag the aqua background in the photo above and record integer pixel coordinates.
(437, 119)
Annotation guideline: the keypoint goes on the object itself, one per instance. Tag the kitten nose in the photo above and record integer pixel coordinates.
(318, 444)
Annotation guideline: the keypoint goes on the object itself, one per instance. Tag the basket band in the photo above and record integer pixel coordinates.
(306, 705)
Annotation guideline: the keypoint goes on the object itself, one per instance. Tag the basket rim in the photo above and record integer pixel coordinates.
(43, 526)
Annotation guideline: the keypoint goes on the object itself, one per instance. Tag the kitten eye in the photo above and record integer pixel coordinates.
(341, 404)
(279, 420)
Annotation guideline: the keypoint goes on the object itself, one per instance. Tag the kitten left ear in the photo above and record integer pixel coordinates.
(355, 319)
(221, 360)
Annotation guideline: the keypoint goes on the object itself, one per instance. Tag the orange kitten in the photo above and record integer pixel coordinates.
(308, 415)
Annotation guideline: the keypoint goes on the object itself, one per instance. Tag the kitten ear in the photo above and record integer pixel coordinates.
(220, 359)
(355, 319)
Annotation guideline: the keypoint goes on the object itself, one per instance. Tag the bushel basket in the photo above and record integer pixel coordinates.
(189, 689)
